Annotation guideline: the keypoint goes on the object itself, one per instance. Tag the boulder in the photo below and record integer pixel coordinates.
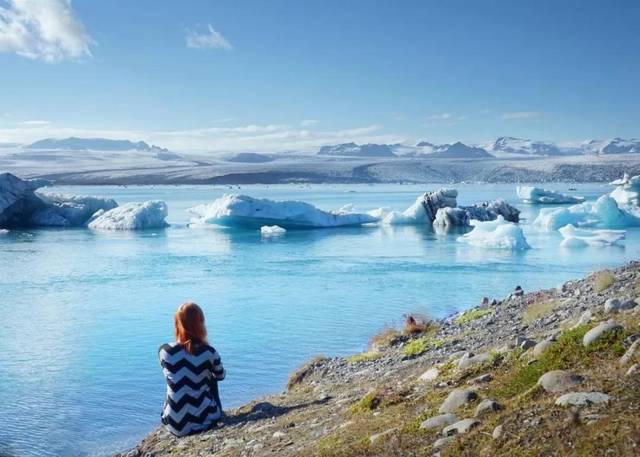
(524, 343)
(612, 306)
(470, 359)
(582, 399)
(443, 442)
(462, 426)
(599, 331)
(430, 375)
(542, 346)
(487, 406)
(559, 380)
(628, 355)
(456, 399)
(439, 422)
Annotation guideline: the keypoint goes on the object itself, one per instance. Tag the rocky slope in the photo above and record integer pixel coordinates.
(552, 372)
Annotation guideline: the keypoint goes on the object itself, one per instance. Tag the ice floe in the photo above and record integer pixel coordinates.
(627, 191)
(539, 195)
(69, 210)
(577, 238)
(272, 230)
(497, 234)
(603, 213)
(131, 216)
(243, 211)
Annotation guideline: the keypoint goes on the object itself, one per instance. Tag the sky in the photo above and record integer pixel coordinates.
(213, 75)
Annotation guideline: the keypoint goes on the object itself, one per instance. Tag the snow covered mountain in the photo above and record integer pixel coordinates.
(90, 144)
(511, 145)
(457, 150)
(357, 150)
(612, 146)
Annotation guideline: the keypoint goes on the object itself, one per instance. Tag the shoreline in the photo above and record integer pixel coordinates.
(377, 402)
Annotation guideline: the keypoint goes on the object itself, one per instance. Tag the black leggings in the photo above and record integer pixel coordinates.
(214, 392)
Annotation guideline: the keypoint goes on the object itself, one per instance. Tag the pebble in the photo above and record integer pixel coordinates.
(559, 380)
(439, 421)
(524, 343)
(443, 442)
(487, 406)
(626, 358)
(456, 399)
(633, 369)
(497, 432)
(597, 332)
(377, 436)
(430, 375)
(582, 399)
(462, 426)
(279, 434)
(481, 379)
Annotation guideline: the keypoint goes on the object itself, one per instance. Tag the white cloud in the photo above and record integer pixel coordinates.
(210, 39)
(444, 119)
(45, 30)
(309, 122)
(521, 115)
(239, 138)
(34, 123)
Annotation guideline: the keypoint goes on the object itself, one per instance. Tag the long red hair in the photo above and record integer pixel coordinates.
(190, 329)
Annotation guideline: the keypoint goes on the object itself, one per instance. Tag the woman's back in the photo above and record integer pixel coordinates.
(190, 405)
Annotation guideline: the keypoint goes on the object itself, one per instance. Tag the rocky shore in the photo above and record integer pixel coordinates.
(551, 372)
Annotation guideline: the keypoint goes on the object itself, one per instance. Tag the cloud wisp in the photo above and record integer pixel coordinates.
(444, 119)
(209, 39)
(521, 115)
(46, 30)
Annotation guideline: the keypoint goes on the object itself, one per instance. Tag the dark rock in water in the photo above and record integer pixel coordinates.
(487, 211)
(518, 292)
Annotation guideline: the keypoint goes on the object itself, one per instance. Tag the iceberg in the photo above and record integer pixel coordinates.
(4, 232)
(497, 234)
(487, 211)
(18, 200)
(243, 211)
(546, 197)
(424, 209)
(577, 238)
(272, 230)
(627, 191)
(131, 216)
(603, 213)
(69, 210)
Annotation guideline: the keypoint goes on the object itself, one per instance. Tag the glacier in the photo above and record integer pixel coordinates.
(627, 191)
(232, 210)
(603, 213)
(532, 194)
(577, 238)
(131, 216)
(496, 234)
(272, 230)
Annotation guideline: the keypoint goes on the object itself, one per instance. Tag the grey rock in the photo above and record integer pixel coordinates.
(542, 346)
(559, 380)
(611, 306)
(456, 399)
(524, 343)
(487, 406)
(469, 359)
(628, 304)
(481, 379)
(497, 432)
(456, 355)
(430, 375)
(582, 399)
(443, 442)
(462, 426)
(378, 436)
(633, 369)
(626, 358)
(599, 331)
(439, 421)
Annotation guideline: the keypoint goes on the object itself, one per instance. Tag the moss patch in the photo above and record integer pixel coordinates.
(472, 315)
(364, 357)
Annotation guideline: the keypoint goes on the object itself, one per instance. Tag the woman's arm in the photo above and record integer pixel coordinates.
(218, 369)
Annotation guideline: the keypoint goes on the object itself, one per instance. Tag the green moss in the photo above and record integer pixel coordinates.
(416, 347)
(369, 402)
(472, 315)
(603, 281)
(364, 357)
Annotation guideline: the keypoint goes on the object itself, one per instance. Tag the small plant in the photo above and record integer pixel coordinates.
(472, 315)
(415, 324)
(386, 337)
(603, 281)
(369, 356)
(538, 309)
(298, 376)
(416, 347)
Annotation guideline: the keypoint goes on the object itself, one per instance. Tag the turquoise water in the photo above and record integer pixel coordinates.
(84, 313)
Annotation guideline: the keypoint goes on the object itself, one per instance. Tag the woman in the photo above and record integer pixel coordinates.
(192, 369)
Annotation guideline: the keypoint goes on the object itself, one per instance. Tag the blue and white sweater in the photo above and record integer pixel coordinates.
(190, 406)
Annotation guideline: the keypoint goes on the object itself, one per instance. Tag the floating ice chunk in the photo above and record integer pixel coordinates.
(603, 213)
(4, 232)
(244, 211)
(424, 209)
(577, 238)
(131, 216)
(627, 192)
(538, 195)
(461, 216)
(272, 230)
(18, 200)
(69, 210)
(498, 234)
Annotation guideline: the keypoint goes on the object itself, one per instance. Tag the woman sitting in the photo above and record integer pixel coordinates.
(192, 369)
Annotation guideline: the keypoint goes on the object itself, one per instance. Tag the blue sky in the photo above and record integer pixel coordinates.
(249, 75)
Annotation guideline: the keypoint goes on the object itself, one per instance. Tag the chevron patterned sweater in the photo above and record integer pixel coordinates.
(189, 406)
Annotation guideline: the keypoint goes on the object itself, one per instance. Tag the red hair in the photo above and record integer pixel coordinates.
(190, 329)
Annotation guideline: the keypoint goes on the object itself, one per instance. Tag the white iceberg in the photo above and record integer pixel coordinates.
(131, 216)
(548, 197)
(627, 191)
(424, 209)
(248, 212)
(603, 213)
(4, 232)
(577, 238)
(497, 234)
(69, 210)
(272, 230)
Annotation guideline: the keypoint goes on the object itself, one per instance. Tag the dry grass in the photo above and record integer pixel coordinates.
(538, 309)
(603, 281)
(416, 324)
(297, 377)
(369, 356)
(386, 337)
